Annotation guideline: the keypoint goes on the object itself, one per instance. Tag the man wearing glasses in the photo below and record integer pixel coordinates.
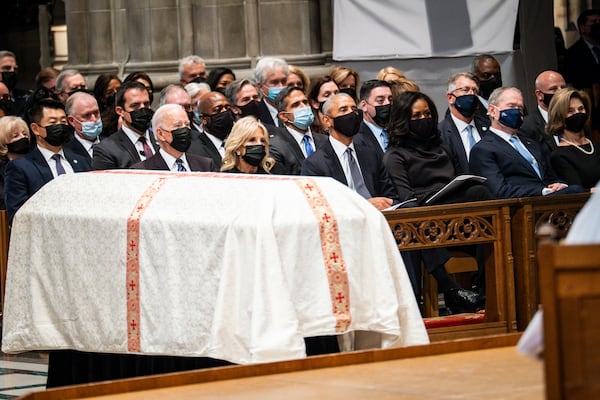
(463, 127)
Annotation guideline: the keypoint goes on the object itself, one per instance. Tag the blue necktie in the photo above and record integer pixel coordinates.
(307, 146)
(471, 137)
(357, 183)
(180, 166)
(384, 139)
(525, 154)
(60, 170)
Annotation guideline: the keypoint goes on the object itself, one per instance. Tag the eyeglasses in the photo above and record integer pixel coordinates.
(466, 90)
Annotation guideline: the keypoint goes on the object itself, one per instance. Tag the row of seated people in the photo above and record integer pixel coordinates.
(388, 149)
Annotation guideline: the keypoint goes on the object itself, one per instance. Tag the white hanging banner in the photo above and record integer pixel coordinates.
(384, 29)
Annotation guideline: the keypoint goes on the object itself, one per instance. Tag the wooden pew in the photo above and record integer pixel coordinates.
(527, 216)
(466, 224)
(570, 292)
(3, 254)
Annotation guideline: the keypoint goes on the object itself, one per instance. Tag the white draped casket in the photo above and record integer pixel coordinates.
(230, 266)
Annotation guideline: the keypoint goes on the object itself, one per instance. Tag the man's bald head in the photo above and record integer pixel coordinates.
(546, 84)
(211, 100)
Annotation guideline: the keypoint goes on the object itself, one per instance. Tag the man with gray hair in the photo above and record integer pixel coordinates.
(353, 164)
(83, 115)
(270, 75)
(463, 126)
(514, 166)
(172, 128)
(68, 82)
(192, 69)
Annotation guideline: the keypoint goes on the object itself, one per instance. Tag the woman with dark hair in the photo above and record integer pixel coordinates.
(419, 165)
(575, 160)
(144, 79)
(220, 78)
(322, 88)
(104, 90)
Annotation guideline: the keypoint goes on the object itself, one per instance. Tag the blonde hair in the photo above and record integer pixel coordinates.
(237, 139)
(7, 126)
(403, 85)
(292, 69)
(340, 73)
(559, 108)
(390, 74)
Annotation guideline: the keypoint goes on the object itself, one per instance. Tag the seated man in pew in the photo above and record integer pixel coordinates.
(513, 166)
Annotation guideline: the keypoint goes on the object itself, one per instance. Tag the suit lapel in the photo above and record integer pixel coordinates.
(512, 153)
(128, 146)
(42, 166)
(333, 162)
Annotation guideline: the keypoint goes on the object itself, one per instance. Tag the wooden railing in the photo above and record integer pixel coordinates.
(507, 228)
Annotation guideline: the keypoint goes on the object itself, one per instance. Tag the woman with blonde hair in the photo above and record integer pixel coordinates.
(247, 148)
(347, 80)
(390, 75)
(575, 160)
(14, 143)
(297, 78)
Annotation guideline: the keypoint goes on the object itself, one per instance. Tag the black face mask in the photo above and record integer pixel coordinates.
(487, 87)
(254, 154)
(220, 124)
(350, 92)
(382, 115)
(182, 139)
(8, 106)
(58, 134)
(547, 98)
(21, 146)
(198, 79)
(250, 109)
(466, 105)
(423, 128)
(349, 124)
(141, 119)
(576, 122)
(9, 79)
(595, 32)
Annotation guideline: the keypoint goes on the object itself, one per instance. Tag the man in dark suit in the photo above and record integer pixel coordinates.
(582, 62)
(83, 115)
(462, 127)
(217, 121)
(270, 75)
(10, 70)
(359, 168)
(513, 166)
(26, 175)
(130, 144)
(172, 127)
(375, 103)
(296, 142)
(534, 124)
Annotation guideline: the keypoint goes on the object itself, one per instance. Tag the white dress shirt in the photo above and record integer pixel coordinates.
(135, 139)
(47, 154)
(172, 161)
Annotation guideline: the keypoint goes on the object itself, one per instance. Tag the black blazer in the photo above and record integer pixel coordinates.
(285, 151)
(534, 128)
(264, 115)
(76, 147)
(202, 146)
(117, 152)
(24, 176)
(324, 162)
(157, 162)
(365, 138)
(508, 173)
(581, 69)
(451, 137)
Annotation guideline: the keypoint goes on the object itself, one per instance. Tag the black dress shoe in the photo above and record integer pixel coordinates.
(463, 301)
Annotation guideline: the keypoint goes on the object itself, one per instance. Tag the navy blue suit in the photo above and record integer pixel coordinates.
(24, 176)
(324, 162)
(508, 173)
(451, 137)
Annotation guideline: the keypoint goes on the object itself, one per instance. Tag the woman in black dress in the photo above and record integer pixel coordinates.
(576, 160)
(419, 165)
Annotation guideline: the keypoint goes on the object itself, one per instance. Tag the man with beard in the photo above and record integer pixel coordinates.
(217, 121)
(171, 125)
(130, 144)
(463, 127)
(26, 175)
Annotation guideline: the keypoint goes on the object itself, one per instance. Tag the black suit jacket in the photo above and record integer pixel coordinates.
(508, 173)
(324, 162)
(117, 152)
(24, 176)
(157, 162)
(203, 146)
(365, 138)
(581, 69)
(264, 114)
(287, 153)
(534, 128)
(451, 137)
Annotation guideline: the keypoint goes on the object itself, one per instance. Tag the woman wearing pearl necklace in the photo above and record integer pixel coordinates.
(576, 159)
